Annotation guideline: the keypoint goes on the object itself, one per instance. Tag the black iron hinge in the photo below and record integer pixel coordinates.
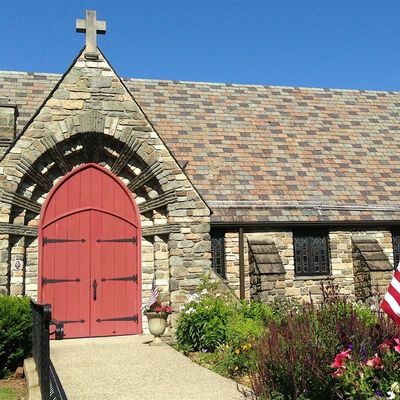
(132, 240)
(132, 278)
(80, 321)
(133, 318)
(46, 281)
(47, 240)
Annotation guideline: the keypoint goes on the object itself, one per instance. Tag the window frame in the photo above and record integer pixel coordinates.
(218, 237)
(310, 235)
(395, 246)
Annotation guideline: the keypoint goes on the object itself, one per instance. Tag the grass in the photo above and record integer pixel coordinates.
(13, 389)
(8, 394)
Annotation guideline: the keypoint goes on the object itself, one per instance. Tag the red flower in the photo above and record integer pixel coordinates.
(340, 359)
(374, 362)
(386, 345)
(397, 347)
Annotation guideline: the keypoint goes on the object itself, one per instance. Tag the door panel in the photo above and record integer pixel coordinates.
(88, 233)
(113, 269)
(66, 272)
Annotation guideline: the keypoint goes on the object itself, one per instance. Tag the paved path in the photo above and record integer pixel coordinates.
(127, 368)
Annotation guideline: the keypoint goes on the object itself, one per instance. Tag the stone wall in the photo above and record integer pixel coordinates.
(267, 273)
(8, 123)
(301, 287)
(232, 263)
(91, 117)
(372, 269)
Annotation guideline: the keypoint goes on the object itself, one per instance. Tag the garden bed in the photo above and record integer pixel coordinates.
(334, 350)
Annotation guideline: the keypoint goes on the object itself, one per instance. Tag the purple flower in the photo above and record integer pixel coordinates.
(379, 393)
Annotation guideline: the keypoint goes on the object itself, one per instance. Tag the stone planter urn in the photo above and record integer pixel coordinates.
(157, 325)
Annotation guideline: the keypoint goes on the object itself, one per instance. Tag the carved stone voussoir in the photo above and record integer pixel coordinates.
(166, 198)
(18, 200)
(27, 169)
(91, 121)
(146, 175)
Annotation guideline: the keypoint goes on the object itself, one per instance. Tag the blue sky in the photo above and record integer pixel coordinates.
(324, 43)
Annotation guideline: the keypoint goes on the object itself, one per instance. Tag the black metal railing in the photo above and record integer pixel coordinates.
(50, 385)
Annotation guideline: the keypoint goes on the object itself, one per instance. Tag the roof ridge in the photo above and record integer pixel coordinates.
(30, 73)
(221, 84)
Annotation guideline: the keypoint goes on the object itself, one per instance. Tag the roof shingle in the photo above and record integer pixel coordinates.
(254, 151)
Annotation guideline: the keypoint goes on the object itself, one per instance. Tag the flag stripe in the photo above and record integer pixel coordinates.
(154, 292)
(391, 302)
(388, 310)
(396, 284)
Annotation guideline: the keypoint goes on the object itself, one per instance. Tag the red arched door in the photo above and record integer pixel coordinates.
(89, 238)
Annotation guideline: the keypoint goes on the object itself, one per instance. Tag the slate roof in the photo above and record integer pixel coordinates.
(263, 153)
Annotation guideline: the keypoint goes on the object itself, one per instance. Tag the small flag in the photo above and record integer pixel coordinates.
(154, 293)
(391, 302)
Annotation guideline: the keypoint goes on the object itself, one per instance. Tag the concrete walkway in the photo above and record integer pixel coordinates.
(127, 368)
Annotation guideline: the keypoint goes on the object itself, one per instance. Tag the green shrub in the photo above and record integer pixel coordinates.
(257, 311)
(202, 324)
(15, 333)
(243, 328)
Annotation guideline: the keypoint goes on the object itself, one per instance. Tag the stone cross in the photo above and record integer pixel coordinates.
(91, 27)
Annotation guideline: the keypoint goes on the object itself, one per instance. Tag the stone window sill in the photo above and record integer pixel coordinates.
(312, 277)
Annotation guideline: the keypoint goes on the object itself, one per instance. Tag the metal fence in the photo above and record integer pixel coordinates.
(50, 385)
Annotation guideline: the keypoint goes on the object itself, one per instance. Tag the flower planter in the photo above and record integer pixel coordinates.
(157, 325)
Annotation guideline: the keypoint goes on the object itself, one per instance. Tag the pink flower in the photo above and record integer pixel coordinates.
(339, 372)
(386, 345)
(397, 347)
(340, 359)
(374, 362)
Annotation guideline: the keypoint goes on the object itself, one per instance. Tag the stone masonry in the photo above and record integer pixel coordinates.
(278, 286)
(91, 117)
(372, 269)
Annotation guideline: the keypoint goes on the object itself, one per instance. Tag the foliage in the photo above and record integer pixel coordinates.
(289, 349)
(15, 333)
(216, 322)
(258, 311)
(295, 358)
(371, 371)
(202, 324)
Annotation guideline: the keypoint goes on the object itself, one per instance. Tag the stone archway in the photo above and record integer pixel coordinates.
(89, 254)
(138, 166)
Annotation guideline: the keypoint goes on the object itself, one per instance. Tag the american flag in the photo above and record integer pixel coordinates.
(391, 302)
(154, 293)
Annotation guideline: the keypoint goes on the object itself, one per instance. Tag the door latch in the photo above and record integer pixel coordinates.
(94, 286)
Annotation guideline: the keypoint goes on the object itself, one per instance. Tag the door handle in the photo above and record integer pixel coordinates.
(94, 286)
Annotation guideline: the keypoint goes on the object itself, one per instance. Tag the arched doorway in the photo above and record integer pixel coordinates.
(89, 254)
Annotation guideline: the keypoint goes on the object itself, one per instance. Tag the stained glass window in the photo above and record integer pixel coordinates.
(218, 252)
(311, 253)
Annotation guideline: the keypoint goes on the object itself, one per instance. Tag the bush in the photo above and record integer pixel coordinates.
(258, 311)
(237, 356)
(15, 333)
(202, 324)
(295, 358)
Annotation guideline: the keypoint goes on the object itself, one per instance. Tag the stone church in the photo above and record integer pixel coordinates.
(106, 182)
